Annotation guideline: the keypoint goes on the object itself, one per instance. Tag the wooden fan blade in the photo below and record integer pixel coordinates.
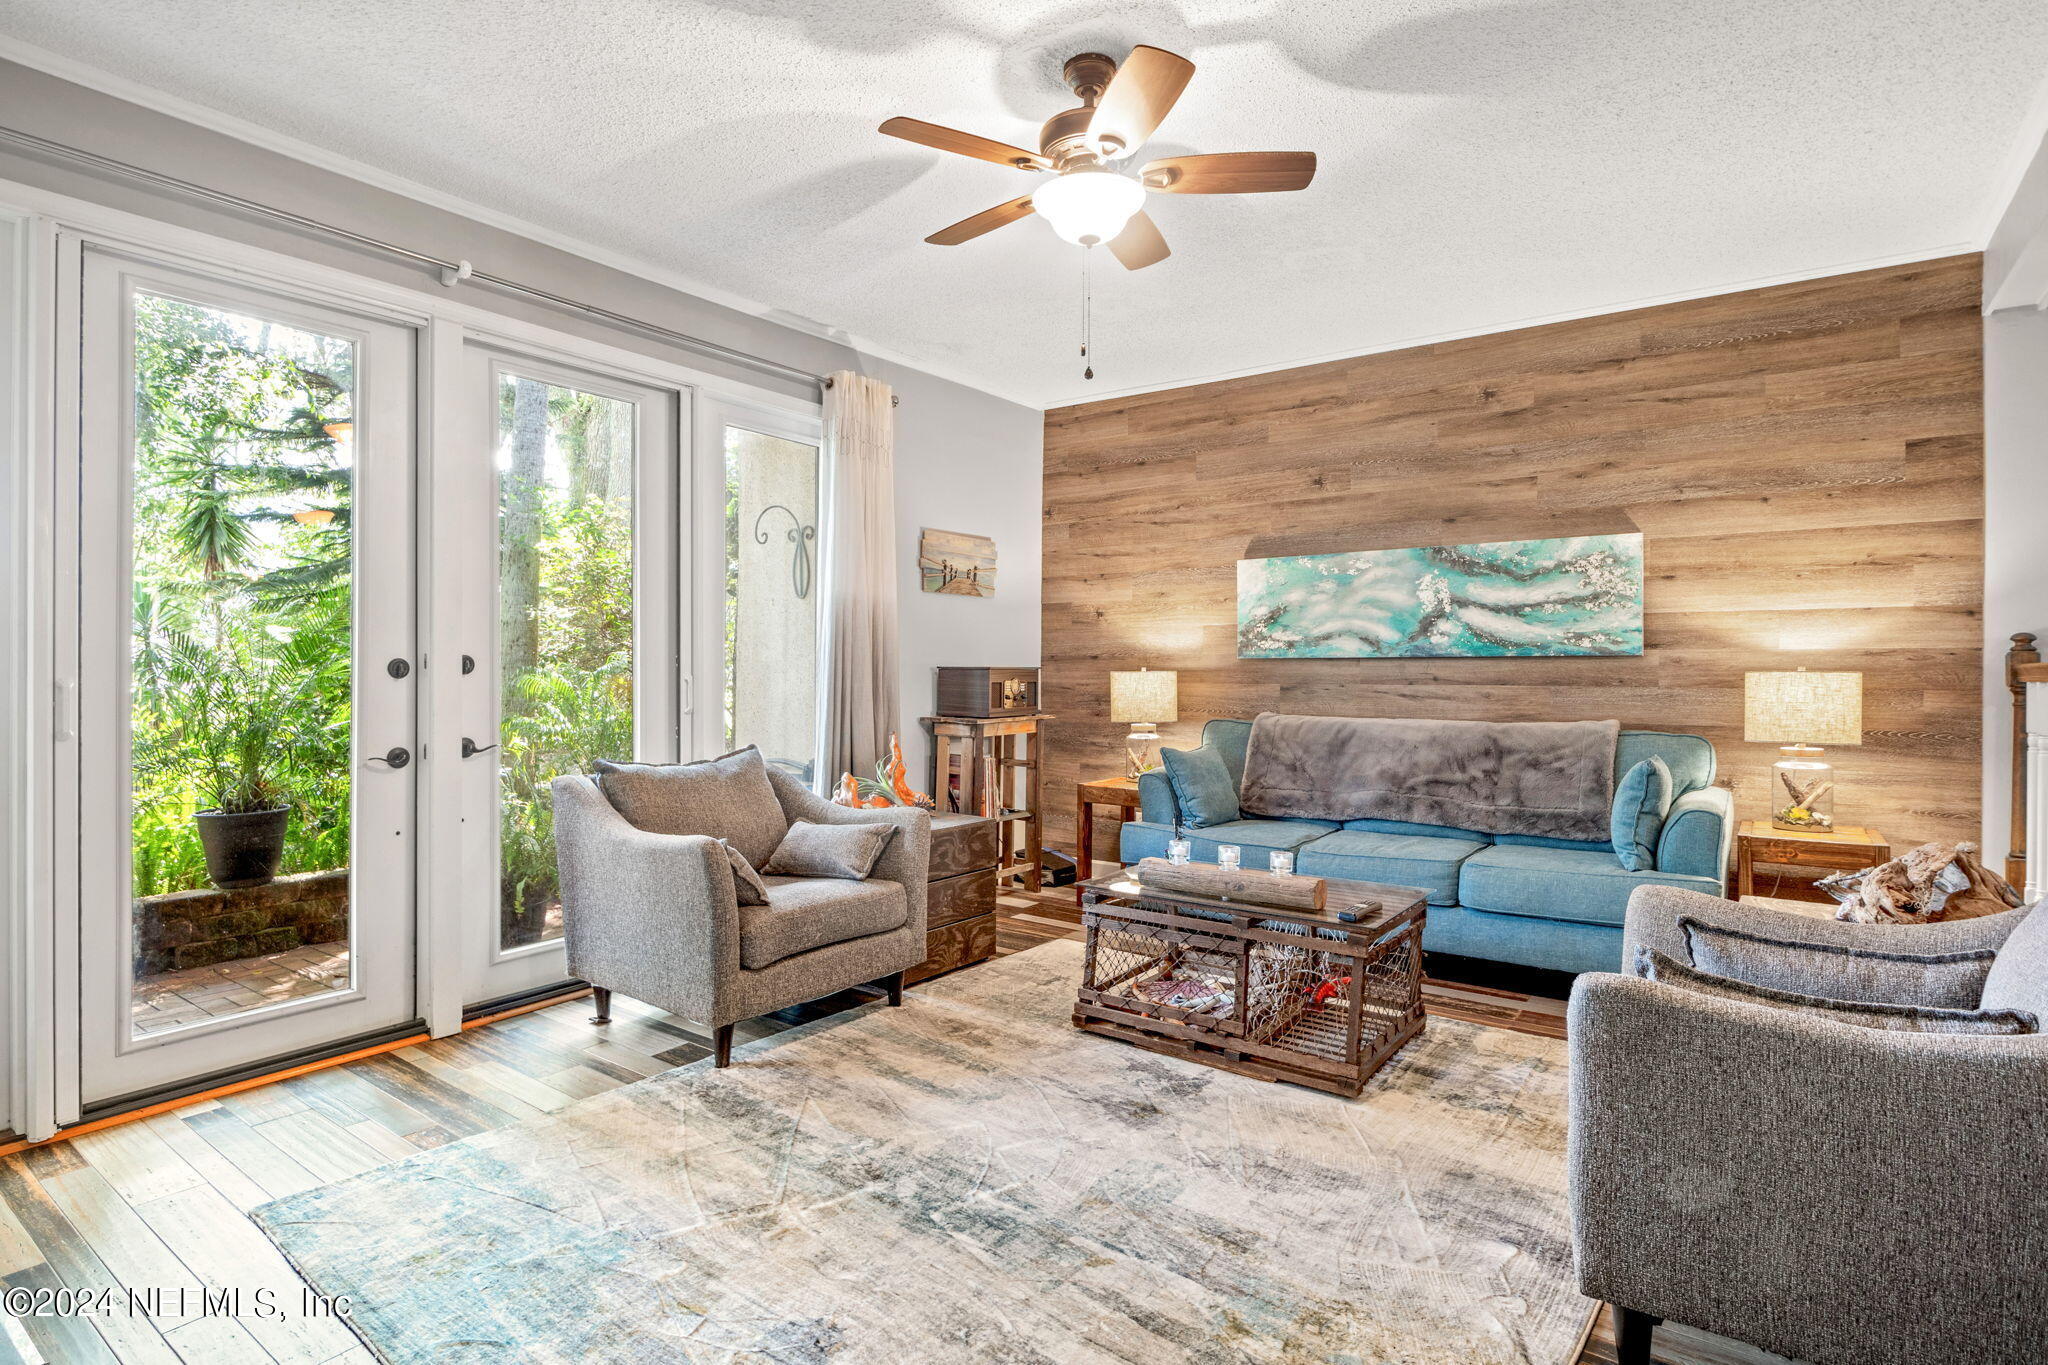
(988, 220)
(1139, 97)
(1139, 244)
(965, 144)
(1230, 173)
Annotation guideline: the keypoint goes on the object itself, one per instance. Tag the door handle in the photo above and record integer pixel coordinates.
(395, 757)
(471, 750)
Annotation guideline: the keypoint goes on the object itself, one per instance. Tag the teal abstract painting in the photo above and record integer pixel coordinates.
(1578, 595)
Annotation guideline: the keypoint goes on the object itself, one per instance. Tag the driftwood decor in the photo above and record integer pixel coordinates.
(1224, 884)
(1929, 884)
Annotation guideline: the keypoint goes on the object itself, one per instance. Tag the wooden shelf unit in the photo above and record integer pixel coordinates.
(991, 766)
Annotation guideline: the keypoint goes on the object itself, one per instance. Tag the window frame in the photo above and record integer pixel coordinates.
(704, 731)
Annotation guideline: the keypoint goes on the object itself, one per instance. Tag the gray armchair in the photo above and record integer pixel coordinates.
(1836, 1193)
(656, 916)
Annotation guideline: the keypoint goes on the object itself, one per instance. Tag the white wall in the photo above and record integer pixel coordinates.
(966, 460)
(2015, 473)
(2015, 534)
(14, 578)
(964, 466)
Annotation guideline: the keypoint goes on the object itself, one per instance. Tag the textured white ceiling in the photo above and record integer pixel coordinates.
(1482, 164)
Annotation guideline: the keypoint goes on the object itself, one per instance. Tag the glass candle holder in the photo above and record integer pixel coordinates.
(1280, 863)
(1228, 856)
(1179, 851)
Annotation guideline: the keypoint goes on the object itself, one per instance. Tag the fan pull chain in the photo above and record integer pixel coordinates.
(1087, 313)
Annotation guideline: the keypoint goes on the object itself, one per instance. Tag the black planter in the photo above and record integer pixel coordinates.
(242, 849)
(524, 920)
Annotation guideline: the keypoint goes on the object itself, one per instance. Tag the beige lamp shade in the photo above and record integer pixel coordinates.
(1802, 708)
(1145, 696)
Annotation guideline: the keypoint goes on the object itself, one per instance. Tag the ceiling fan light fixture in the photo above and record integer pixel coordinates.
(1088, 204)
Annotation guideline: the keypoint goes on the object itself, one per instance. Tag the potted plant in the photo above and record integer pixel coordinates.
(242, 719)
(526, 858)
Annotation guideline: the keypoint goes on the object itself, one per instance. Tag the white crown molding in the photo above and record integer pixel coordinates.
(1520, 324)
(2024, 283)
(243, 130)
(2026, 146)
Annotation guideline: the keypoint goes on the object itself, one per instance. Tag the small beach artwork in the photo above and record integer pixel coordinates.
(1575, 595)
(957, 563)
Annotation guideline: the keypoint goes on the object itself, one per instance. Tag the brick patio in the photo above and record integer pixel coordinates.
(192, 995)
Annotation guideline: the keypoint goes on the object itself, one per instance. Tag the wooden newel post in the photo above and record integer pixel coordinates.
(2022, 654)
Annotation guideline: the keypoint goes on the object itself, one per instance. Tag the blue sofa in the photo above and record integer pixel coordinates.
(1553, 903)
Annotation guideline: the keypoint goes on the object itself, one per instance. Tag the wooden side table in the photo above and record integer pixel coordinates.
(1121, 792)
(1842, 849)
(991, 766)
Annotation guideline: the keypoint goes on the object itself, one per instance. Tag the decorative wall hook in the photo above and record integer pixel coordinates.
(800, 536)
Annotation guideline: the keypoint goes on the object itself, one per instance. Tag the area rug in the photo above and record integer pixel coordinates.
(970, 1178)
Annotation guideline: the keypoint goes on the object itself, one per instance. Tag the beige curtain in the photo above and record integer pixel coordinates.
(858, 698)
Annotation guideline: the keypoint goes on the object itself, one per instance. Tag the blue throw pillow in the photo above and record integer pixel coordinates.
(1640, 801)
(1201, 785)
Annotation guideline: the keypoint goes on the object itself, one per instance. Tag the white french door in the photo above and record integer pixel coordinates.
(558, 521)
(247, 663)
(342, 586)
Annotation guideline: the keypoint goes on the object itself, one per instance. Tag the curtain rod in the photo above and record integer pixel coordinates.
(451, 272)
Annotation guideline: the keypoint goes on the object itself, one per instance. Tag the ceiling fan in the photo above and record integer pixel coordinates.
(1089, 200)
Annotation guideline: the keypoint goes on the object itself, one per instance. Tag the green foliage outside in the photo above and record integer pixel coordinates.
(243, 597)
(241, 685)
(566, 595)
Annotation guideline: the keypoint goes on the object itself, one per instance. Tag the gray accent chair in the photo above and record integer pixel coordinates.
(656, 916)
(1837, 1194)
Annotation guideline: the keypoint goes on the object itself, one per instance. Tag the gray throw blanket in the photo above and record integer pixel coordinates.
(1549, 778)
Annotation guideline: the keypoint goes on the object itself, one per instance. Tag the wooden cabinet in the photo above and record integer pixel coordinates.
(960, 897)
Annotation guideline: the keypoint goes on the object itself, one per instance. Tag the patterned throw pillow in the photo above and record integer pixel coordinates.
(1641, 799)
(1201, 786)
(1943, 980)
(1652, 965)
(728, 797)
(848, 852)
(746, 883)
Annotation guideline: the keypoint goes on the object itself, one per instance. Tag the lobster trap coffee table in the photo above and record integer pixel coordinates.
(1306, 996)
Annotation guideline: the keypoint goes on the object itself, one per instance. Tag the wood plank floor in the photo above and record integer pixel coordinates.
(159, 1204)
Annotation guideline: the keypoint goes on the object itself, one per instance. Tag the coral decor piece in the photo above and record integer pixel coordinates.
(1579, 595)
(888, 787)
(1931, 883)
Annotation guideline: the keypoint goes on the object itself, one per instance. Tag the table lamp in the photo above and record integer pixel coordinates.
(1799, 712)
(1145, 700)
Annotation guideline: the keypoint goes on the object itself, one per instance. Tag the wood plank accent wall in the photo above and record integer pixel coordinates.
(1805, 463)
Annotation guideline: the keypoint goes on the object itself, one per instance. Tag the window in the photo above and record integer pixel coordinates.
(565, 602)
(771, 597)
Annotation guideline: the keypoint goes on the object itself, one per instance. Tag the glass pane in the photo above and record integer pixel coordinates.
(771, 602)
(240, 695)
(565, 607)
